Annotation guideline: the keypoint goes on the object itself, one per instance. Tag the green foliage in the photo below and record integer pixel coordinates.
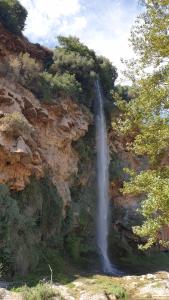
(74, 247)
(144, 121)
(106, 284)
(15, 124)
(80, 241)
(124, 91)
(73, 62)
(30, 220)
(77, 59)
(52, 214)
(13, 227)
(43, 198)
(73, 44)
(107, 74)
(116, 167)
(39, 292)
(146, 262)
(47, 87)
(155, 184)
(77, 245)
(24, 67)
(84, 147)
(150, 36)
(13, 15)
(71, 73)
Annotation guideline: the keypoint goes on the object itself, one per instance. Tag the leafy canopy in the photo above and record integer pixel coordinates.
(12, 15)
(77, 59)
(71, 72)
(144, 121)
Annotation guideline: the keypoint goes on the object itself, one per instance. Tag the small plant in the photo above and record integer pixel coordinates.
(106, 284)
(25, 65)
(24, 69)
(15, 124)
(40, 292)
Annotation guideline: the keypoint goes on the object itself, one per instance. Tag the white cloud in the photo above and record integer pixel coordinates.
(102, 25)
(52, 8)
(45, 17)
(75, 27)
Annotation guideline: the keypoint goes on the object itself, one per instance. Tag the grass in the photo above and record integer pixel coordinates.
(39, 292)
(92, 284)
(104, 284)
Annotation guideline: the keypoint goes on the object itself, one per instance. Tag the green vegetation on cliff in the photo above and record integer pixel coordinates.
(15, 124)
(30, 221)
(12, 15)
(72, 73)
(74, 57)
(13, 241)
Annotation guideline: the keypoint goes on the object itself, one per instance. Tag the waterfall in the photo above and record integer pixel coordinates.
(103, 183)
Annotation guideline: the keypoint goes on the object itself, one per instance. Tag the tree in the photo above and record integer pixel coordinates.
(73, 57)
(47, 86)
(144, 121)
(12, 15)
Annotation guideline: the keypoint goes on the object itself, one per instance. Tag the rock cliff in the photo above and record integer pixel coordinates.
(44, 143)
(36, 140)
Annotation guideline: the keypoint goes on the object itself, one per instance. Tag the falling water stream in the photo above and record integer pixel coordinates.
(103, 184)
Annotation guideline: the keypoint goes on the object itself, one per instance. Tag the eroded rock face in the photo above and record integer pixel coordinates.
(47, 147)
(12, 44)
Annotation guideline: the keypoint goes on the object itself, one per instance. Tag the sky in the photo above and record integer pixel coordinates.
(103, 25)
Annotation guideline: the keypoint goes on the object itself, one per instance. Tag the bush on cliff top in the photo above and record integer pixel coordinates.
(12, 15)
(74, 57)
(47, 87)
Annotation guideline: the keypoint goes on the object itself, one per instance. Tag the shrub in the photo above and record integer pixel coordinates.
(74, 57)
(73, 62)
(73, 44)
(106, 284)
(12, 15)
(40, 292)
(24, 68)
(74, 246)
(48, 86)
(14, 229)
(15, 124)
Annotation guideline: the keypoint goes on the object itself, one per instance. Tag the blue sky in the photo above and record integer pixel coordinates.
(103, 25)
